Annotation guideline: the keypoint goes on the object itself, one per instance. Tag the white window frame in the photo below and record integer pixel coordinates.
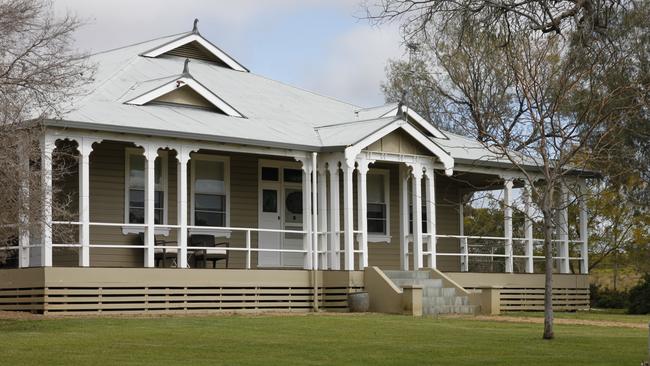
(226, 176)
(374, 237)
(164, 177)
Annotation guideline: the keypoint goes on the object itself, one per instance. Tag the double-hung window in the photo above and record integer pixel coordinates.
(135, 187)
(209, 190)
(378, 205)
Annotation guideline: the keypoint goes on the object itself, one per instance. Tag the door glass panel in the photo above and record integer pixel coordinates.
(269, 200)
(293, 206)
(270, 174)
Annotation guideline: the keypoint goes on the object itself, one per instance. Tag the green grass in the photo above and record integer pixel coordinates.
(609, 315)
(311, 340)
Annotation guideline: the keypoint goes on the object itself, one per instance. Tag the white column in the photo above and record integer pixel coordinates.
(183, 157)
(416, 191)
(563, 230)
(314, 212)
(306, 213)
(464, 247)
(85, 148)
(584, 230)
(150, 154)
(23, 202)
(335, 217)
(528, 227)
(362, 211)
(431, 217)
(507, 216)
(348, 215)
(404, 218)
(322, 217)
(47, 147)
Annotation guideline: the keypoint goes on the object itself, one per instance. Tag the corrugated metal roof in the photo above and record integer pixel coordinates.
(276, 113)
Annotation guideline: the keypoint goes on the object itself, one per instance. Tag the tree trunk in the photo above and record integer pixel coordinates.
(548, 276)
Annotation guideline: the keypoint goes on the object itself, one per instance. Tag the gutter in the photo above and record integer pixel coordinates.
(269, 144)
(176, 134)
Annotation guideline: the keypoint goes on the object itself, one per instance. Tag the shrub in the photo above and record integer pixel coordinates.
(605, 298)
(640, 297)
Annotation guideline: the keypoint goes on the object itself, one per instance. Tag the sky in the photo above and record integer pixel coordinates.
(319, 45)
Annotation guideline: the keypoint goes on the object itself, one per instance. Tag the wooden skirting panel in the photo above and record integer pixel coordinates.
(532, 299)
(158, 291)
(525, 292)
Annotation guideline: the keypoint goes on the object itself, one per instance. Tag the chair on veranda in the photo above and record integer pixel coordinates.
(161, 251)
(214, 253)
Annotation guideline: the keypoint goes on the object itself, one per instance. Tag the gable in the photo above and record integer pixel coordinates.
(186, 96)
(193, 45)
(417, 120)
(195, 50)
(398, 142)
(188, 92)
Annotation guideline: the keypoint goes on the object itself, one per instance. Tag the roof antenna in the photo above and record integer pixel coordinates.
(195, 28)
(186, 67)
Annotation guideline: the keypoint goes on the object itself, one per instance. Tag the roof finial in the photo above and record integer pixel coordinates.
(186, 67)
(195, 28)
(400, 107)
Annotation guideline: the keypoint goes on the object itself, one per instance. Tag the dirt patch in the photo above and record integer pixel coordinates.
(533, 320)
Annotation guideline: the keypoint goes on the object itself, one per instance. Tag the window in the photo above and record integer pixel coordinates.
(378, 204)
(135, 187)
(210, 190)
(424, 218)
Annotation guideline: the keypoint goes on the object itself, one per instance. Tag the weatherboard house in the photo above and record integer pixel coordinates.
(204, 187)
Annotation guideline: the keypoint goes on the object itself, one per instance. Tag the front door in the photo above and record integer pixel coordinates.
(280, 208)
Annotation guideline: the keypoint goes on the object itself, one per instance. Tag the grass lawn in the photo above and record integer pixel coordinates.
(601, 315)
(311, 340)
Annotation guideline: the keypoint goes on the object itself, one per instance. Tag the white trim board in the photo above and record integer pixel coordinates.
(194, 37)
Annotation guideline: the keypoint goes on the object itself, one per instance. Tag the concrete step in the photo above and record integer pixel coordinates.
(435, 298)
(408, 274)
(425, 283)
(438, 291)
(451, 309)
(444, 300)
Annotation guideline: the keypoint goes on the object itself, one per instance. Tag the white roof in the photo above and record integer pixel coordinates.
(274, 113)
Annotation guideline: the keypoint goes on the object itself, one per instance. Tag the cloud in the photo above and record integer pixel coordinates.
(355, 64)
(315, 44)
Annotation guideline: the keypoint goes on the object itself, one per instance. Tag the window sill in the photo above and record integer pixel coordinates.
(139, 230)
(378, 238)
(213, 232)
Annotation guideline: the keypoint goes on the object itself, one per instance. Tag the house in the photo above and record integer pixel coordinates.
(186, 160)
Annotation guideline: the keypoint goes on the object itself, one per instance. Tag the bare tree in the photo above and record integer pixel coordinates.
(541, 99)
(40, 73)
(501, 17)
